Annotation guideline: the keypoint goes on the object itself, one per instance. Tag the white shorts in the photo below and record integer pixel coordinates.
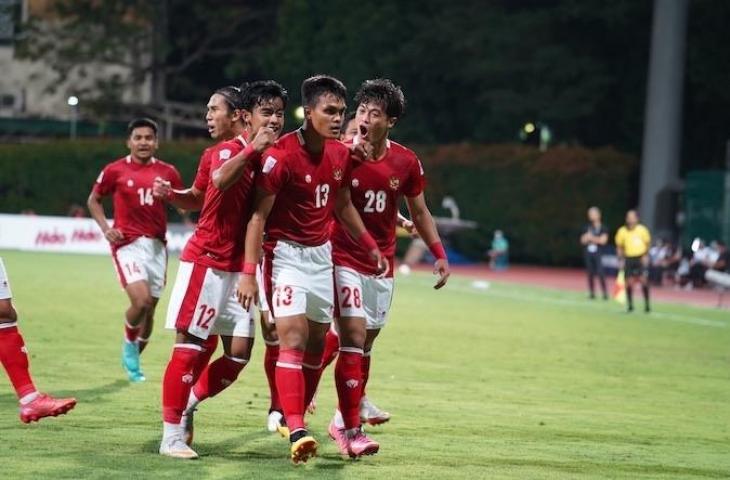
(263, 304)
(203, 302)
(298, 280)
(363, 296)
(145, 259)
(5, 292)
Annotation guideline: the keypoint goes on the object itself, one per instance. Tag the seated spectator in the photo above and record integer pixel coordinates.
(703, 258)
(499, 253)
(722, 264)
(658, 254)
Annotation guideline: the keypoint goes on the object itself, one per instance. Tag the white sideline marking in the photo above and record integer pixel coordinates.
(672, 317)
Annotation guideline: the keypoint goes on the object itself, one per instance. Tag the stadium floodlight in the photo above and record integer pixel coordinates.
(299, 113)
(529, 127)
(73, 102)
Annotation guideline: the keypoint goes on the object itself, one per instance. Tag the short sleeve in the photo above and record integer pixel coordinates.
(106, 181)
(202, 176)
(274, 173)
(620, 238)
(647, 236)
(416, 179)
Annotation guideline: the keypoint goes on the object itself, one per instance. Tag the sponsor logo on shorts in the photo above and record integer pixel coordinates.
(187, 378)
(308, 178)
(130, 183)
(352, 383)
(355, 182)
(337, 174)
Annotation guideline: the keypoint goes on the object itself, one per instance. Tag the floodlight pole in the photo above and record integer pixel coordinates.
(663, 116)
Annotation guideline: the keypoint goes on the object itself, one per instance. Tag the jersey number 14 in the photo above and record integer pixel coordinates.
(145, 196)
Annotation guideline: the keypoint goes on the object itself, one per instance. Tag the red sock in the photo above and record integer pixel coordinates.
(312, 370)
(348, 380)
(365, 371)
(131, 333)
(290, 384)
(331, 348)
(177, 382)
(217, 377)
(14, 358)
(270, 357)
(209, 346)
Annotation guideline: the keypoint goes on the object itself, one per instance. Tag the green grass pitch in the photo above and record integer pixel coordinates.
(505, 382)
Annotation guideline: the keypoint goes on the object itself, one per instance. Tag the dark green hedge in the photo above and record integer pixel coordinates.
(538, 199)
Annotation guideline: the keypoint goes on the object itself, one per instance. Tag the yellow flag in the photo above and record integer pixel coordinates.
(619, 288)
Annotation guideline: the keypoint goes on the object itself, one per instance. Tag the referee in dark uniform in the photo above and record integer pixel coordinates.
(593, 239)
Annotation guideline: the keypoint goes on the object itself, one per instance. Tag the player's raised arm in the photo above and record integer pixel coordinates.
(230, 171)
(426, 228)
(247, 286)
(347, 214)
(190, 199)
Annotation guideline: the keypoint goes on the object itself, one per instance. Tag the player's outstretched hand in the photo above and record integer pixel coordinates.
(410, 227)
(113, 235)
(247, 291)
(362, 150)
(264, 138)
(161, 188)
(441, 268)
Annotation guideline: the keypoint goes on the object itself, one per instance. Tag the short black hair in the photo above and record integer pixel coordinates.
(318, 85)
(383, 92)
(260, 91)
(141, 122)
(232, 95)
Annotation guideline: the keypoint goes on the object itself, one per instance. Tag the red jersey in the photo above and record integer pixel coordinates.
(376, 190)
(219, 238)
(306, 188)
(136, 212)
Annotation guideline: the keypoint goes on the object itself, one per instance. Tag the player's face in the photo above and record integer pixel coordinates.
(269, 113)
(373, 123)
(350, 130)
(142, 143)
(220, 118)
(632, 219)
(325, 117)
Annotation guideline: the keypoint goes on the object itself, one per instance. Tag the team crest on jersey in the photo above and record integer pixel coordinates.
(308, 178)
(224, 154)
(130, 183)
(337, 174)
(355, 182)
(394, 183)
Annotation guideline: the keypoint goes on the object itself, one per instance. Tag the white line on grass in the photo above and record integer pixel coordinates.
(521, 297)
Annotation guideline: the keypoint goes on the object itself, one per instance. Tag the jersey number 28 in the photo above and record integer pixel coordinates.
(375, 201)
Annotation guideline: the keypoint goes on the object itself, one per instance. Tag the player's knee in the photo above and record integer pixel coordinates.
(7, 312)
(144, 304)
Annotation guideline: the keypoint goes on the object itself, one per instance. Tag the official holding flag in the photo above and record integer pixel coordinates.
(632, 248)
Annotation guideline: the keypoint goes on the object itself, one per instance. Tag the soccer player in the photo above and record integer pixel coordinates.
(137, 237)
(203, 301)
(632, 246)
(14, 358)
(378, 184)
(305, 179)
